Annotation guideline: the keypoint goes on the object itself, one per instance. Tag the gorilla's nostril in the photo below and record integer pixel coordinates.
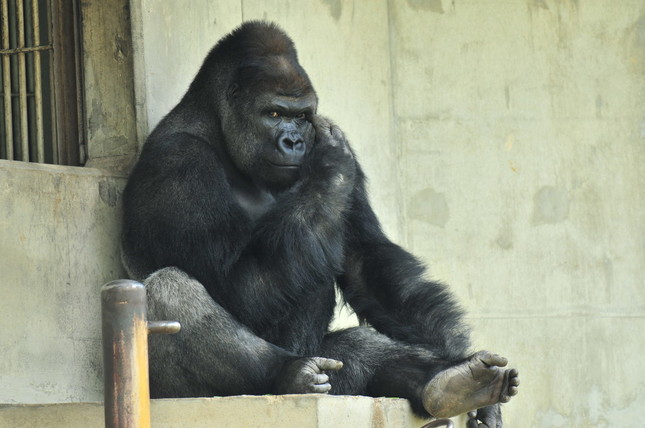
(286, 144)
(291, 144)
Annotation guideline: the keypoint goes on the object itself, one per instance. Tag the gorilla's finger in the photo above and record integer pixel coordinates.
(328, 363)
(321, 389)
(336, 132)
(472, 423)
(320, 379)
(320, 122)
(515, 380)
(472, 419)
(328, 130)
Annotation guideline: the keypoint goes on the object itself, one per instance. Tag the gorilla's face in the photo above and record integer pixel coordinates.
(271, 136)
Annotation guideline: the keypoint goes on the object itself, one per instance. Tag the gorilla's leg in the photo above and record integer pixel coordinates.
(379, 366)
(376, 365)
(213, 354)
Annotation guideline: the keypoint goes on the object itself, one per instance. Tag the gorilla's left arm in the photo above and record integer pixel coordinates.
(385, 286)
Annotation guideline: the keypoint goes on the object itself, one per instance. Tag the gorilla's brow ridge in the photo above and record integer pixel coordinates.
(279, 72)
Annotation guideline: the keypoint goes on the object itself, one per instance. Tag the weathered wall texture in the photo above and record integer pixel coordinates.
(524, 168)
(110, 121)
(58, 230)
(504, 144)
(520, 126)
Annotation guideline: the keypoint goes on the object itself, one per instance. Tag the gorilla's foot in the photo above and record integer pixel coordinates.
(306, 376)
(479, 382)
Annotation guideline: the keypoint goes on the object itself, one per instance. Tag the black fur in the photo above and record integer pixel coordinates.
(204, 211)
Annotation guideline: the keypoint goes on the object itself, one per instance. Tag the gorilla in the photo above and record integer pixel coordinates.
(243, 214)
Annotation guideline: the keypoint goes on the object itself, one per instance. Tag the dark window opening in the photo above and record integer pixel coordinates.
(40, 96)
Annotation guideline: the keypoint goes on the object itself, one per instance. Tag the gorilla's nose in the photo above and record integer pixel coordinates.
(291, 144)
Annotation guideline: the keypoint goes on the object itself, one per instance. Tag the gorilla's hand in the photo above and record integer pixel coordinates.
(306, 375)
(332, 160)
(486, 417)
(322, 195)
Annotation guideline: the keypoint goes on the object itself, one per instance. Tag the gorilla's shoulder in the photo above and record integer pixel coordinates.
(177, 147)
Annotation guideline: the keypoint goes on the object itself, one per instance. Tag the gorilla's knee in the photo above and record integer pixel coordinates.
(174, 295)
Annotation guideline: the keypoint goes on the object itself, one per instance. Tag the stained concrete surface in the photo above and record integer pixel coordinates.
(288, 411)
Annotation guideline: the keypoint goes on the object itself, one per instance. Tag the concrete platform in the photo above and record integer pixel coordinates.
(289, 411)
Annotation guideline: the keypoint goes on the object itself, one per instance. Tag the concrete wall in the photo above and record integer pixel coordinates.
(59, 232)
(58, 244)
(520, 126)
(504, 145)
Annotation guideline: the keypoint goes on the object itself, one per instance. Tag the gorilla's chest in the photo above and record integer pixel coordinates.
(254, 203)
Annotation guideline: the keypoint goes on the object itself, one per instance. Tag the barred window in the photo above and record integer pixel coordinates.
(40, 97)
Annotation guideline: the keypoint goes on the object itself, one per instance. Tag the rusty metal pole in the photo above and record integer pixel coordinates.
(125, 353)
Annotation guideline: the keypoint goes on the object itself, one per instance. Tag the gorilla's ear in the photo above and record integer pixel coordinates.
(232, 91)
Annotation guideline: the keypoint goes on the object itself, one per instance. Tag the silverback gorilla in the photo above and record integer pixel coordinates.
(243, 213)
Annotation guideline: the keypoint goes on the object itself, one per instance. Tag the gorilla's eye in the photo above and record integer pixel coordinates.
(300, 116)
(274, 114)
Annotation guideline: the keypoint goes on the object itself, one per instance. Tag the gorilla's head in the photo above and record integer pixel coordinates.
(265, 101)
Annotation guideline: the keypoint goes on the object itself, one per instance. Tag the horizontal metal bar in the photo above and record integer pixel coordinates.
(163, 327)
(15, 94)
(26, 50)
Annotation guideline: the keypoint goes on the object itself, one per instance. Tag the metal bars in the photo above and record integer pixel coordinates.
(23, 129)
(38, 87)
(6, 84)
(22, 82)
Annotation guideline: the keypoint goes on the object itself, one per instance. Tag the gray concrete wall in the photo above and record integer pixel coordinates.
(59, 229)
(523, 162)
(59, 232)
(504, 145)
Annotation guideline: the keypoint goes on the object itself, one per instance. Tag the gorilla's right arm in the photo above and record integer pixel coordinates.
(179, 199)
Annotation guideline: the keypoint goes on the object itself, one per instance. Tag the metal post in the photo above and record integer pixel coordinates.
(125, 353)
(6, 82)
(22, 83)
(38, 86)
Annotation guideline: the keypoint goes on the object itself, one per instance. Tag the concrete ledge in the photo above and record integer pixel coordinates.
(268, 411)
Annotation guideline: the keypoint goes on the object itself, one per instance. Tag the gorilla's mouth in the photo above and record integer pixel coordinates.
(284, 165)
